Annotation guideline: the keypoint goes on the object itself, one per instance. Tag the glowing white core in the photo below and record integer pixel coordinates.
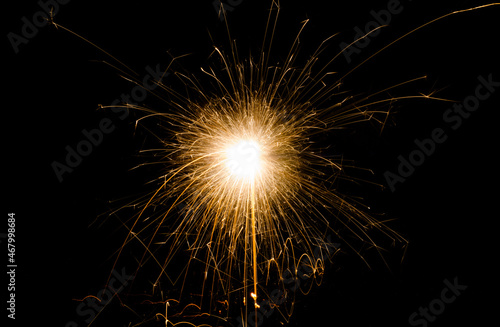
(243, 158)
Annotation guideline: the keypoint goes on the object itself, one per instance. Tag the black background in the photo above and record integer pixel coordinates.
(447, 209)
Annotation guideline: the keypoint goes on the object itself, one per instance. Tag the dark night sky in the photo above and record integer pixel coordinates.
(446, 208)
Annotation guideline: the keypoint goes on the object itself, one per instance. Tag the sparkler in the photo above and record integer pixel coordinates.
(256, 186)
(258, 191)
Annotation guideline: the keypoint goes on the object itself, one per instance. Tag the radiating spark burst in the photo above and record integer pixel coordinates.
(257, 189)
(259, 192)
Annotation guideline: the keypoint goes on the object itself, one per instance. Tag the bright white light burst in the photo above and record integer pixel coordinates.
(244, 159)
